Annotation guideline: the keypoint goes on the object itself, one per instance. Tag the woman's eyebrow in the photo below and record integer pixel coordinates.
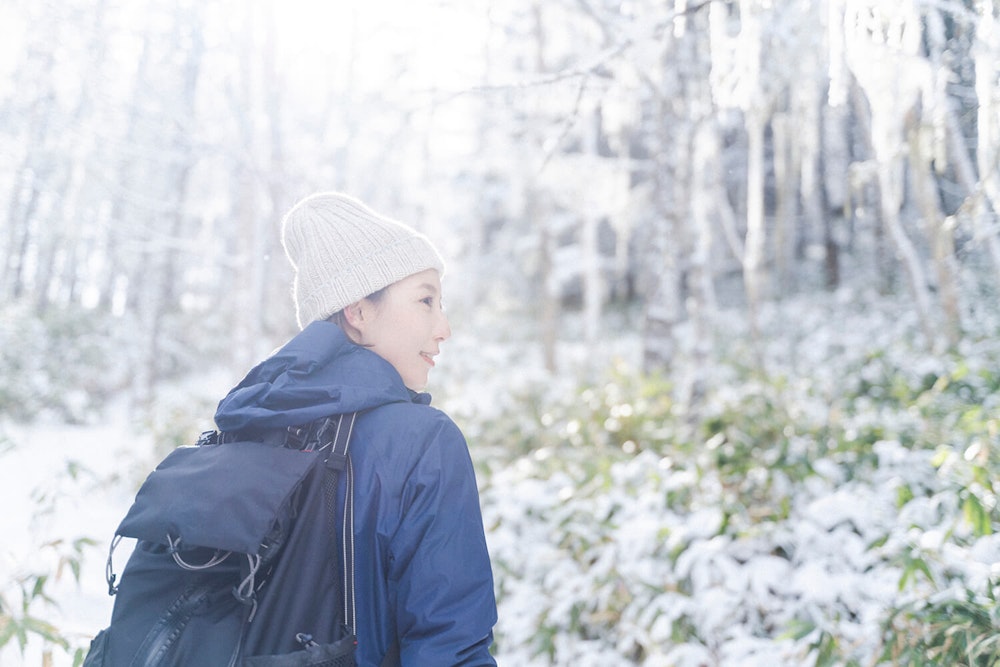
(428, 287)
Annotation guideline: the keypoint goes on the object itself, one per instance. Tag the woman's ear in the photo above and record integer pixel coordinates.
(354, 314)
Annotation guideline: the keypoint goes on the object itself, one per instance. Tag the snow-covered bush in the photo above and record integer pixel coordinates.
(956, 627)
(833, 510)
(62, 362)
(25, 598)
(664, 554)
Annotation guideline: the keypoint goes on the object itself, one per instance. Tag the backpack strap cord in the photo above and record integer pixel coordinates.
(109, 568)
(175, 551)
(246, 590)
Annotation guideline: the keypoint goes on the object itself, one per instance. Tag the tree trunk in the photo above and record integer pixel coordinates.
(754, 121)
(547, 286)
(267, 233)
(988, 126)
(705, 191)
(593, 280)
(239, 285)
(785, 206)
(548, 289)
(890, 174)
(31, 179)
(928, 143)
(756, 235)
(833, 186)
(813, 227)
(664, 277)
(662, 311)
(162, 237)
(939, 233)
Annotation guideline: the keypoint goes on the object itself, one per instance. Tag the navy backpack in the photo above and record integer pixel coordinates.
(207, 584)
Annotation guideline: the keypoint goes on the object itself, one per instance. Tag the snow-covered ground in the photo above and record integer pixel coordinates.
(63, 483)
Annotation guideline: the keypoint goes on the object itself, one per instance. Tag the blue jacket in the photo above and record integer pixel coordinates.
(422, 569)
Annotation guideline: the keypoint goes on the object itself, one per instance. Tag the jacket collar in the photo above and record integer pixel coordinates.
(317, 373)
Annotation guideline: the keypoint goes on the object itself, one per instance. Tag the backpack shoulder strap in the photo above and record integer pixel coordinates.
(339, 460)
(337, 432)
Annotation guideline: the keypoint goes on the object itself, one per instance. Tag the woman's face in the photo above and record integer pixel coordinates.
(405, 326)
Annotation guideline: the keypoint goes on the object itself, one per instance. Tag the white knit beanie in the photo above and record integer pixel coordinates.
(342, 251)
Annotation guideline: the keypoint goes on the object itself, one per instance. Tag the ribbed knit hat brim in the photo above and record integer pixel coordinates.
(343, 251)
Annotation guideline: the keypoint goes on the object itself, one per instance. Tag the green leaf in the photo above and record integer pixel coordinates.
(45, 630)
(904, 494)
(798, 629)
(7, 628)
(977, 516)
(940, 456)
(39, 587)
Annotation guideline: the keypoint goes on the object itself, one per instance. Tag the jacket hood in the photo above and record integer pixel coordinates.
(318, 373)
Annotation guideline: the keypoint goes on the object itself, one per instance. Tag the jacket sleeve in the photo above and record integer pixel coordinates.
(438, 565)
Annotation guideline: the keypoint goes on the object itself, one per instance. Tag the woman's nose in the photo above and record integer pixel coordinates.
(444, 329)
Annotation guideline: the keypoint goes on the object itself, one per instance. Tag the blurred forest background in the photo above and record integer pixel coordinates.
(665, 173)
(658, 157)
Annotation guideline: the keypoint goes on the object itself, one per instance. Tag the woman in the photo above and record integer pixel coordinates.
(368, 299)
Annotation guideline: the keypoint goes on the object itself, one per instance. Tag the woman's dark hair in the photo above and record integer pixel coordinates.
(340, 319)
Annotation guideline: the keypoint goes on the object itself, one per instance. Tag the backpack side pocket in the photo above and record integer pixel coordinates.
(97, 651)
